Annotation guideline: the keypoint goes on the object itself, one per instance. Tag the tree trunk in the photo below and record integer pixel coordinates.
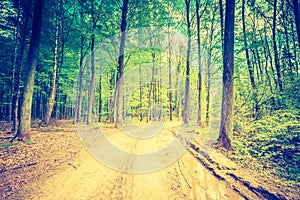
(177, 95)
(226, 126)
(141, 94)
(80, 77)
(199, 121)
(100, 100)
(92, 81)
(186, 109)
(160, 93)
(55, 63)
(25, 119)
(250, 67)
(16, 96)
(266, 63)
(270, 57)
(170, 78)
(222, 23)
(295, 51)
(287, 42)
(276, 57)
(152, 83)
(120, 68)
(14, 77)
(297, 18)
(208, 88)
(210, 48)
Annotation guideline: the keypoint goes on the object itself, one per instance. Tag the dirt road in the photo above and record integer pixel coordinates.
(87, 178)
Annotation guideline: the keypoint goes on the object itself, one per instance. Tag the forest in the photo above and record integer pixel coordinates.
(228, 70)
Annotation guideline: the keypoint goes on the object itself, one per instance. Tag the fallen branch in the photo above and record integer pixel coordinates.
(18, 167)
(72, 165)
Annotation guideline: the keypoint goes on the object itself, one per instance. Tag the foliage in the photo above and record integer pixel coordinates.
(267, 119)
(270, 144)
(7, 145)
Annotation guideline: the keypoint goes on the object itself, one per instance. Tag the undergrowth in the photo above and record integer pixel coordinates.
(270, 145)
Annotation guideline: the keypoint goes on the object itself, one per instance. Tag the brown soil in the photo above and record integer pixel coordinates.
(56, 165)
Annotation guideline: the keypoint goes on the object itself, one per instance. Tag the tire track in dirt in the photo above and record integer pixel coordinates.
(185, 179)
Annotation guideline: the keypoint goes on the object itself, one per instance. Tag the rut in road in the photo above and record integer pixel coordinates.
(185, 178)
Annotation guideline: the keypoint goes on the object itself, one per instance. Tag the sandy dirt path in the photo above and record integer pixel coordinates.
(87, 178)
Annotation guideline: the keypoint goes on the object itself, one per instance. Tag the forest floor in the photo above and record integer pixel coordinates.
(56, 165)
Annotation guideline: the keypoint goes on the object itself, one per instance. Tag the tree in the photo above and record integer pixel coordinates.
(186, 108)
(250, 66)
(78, 109)
(222, 22)
(199, 62)
(297, 18)
(92, 81)
(120, 67)
(18, 65)
(170, 76)
(55, 63)
(226, 126)
(32, 59)
(276, 56)
(209, 64)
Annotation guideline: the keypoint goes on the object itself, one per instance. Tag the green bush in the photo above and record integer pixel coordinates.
(270, 144)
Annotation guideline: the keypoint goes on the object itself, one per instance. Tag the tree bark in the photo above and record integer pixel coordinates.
(100, 100)
(141, 94)
(226, 126)
(297, 18)
(16, 96)
(151, 86)
(120, 68)
(170, 95)
(209, 68)
(92, 80)
(222, 23)
(295, 52)
(25, 119)
(186, 109)
(276, 57)
(199, 121)
(80, 76)
(55, 64)
(287, 42)
(250, 67)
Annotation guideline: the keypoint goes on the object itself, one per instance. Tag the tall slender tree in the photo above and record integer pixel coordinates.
(78, 109)
(120, 67)
(249, 64)
(222, 22)
(170, 77)
(297, 18)
(92, 80)
(209, 65)
(276, 56)
(186, 109)
(226, 126)
(55, 63)
(199, 121)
